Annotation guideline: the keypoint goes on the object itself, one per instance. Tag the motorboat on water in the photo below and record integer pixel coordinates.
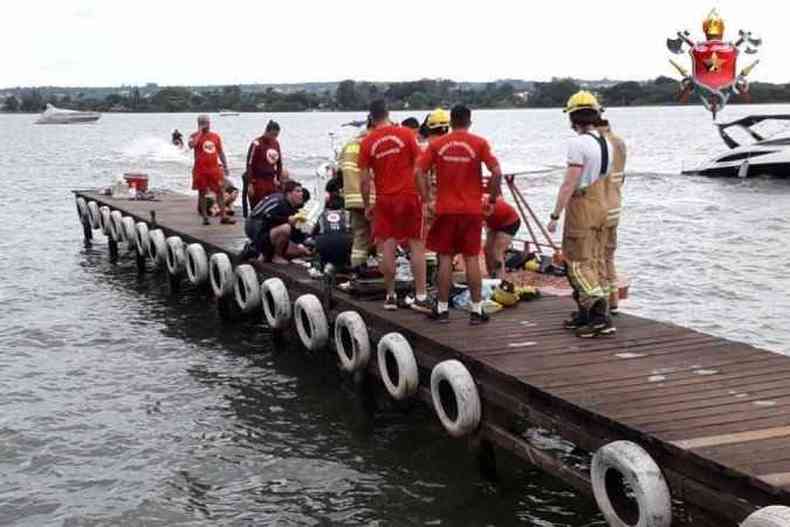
(764, 157)
(227, 113)
(53, 115)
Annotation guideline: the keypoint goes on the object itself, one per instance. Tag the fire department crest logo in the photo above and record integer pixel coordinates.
(209, 147)
(715, 76)
(272, 156)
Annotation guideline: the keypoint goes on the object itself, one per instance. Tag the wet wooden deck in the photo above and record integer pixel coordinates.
(715, 414)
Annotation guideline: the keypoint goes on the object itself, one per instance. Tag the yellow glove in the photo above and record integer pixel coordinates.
(299, 217)
(532, 265)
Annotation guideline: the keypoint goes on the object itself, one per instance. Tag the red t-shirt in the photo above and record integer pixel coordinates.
(504, 215)
(264, 159)
(458, 158)
(208, 147)
(391, 153)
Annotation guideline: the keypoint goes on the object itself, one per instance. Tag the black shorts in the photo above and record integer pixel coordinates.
(334, 248)
(511, 229)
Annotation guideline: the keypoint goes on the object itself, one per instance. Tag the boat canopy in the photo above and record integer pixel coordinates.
(746, 123)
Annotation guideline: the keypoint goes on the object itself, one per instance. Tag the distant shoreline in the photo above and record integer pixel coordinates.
(349, 95)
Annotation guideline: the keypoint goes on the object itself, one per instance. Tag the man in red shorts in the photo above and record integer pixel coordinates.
(264, 165)
(207, 173)
(458, 158)
(391, 152)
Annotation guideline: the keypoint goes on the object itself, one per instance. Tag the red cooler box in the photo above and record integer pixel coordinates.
(136, 180)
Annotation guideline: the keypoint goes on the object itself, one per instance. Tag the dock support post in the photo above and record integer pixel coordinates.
(174, 283)
(140, 260)
(113, 250)
(87, 232)
(227, 307)
(483, 450)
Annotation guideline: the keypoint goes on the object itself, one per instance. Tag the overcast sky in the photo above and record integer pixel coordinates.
(102, 43)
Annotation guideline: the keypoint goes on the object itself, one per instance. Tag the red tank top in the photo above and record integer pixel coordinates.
(208, 147)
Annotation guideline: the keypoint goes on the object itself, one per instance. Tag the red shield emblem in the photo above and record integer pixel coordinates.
(714, 64)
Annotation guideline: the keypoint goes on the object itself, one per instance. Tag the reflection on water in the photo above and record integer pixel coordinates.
(126, 405)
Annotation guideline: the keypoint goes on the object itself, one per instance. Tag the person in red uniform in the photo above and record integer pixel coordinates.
(264, 165)
(207, 173)
(502, 223)
(458, 158)
(390, 152)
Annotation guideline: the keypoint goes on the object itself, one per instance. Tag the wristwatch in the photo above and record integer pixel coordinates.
(554, 217)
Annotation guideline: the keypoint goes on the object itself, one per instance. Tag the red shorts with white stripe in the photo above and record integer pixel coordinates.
(456, 234)
(397, 217)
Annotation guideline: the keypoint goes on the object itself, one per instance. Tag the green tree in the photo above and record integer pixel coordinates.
(11, 104)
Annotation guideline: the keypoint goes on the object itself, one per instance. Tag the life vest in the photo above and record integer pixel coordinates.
(333, 222)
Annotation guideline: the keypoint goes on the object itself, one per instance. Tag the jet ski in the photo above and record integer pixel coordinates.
(763, 157)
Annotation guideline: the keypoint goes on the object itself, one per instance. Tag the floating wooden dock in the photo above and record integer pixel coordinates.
(713, 414)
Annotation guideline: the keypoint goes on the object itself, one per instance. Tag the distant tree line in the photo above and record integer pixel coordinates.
(353, 95)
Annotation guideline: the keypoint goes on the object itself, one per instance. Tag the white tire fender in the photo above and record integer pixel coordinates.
(352, 341)
(397, 366)
(641, 475)
(247, 288)
(104, 219)
(82, 209)
(141, 239)
(220, 273)
(157, 247)
(276, 303)
(197, 264)
(94, 215)
(176, 259)
(462, 415)
(129, 231)
(771, 516)
(311, 323)
(116, 228)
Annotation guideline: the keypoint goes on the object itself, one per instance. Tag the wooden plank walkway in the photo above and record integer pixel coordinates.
(715, 414)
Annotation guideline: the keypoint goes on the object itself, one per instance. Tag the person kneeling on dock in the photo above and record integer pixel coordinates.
(458, 158)
(271, 223)
(502, 223)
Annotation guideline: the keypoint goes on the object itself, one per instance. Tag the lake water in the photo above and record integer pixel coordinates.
(122, 405)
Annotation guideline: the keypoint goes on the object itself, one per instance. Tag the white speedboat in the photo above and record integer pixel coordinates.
(228, 113)
(764, 157)
(53, 115)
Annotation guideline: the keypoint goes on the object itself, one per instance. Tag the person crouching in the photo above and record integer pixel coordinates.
(271, 223)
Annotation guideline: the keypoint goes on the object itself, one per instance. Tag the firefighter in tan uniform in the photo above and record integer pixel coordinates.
(437, 124)
(614, 191)
(582, 196)
(362, 245)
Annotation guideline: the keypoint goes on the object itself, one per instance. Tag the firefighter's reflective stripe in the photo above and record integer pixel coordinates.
(351, 176)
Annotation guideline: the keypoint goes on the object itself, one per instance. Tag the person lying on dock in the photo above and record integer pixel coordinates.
(502, 223)
(270, 225)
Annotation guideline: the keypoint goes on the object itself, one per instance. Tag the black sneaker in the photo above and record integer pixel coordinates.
(248, 252)
(475, 319)
(576, 320)
(596, 329)
(440, 318)
(391, 303)
(421, 306)
(614, 310)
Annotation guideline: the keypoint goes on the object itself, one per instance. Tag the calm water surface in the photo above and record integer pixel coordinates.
(122, 405)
